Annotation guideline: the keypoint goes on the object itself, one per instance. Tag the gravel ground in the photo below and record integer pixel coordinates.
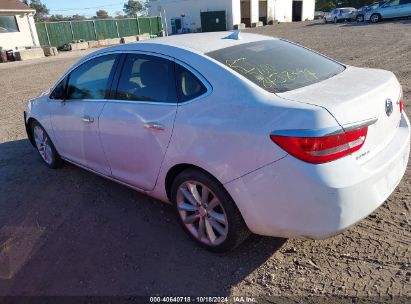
(69, 232)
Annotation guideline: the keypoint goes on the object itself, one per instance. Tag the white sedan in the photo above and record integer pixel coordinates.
(240, 133)
(340, 14)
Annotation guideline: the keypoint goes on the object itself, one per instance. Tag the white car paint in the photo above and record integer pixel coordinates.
(79, 140)
(337, 14)
(226, 133)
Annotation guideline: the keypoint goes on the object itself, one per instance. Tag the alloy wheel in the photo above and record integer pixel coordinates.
(375, 18)
(43, 144)
(202, 213)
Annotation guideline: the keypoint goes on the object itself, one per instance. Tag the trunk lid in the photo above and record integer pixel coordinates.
(357, 95)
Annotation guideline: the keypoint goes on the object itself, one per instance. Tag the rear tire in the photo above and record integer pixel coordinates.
(360, 18)
(206, 211)
(375, 18)
(44, 146)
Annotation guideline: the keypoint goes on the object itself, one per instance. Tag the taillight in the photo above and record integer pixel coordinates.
(322, 149)
(401, 105)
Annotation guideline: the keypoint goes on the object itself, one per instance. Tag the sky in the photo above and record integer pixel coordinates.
(83, 7)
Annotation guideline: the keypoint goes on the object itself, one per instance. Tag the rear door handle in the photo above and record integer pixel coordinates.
(87, 118)
(154, 126)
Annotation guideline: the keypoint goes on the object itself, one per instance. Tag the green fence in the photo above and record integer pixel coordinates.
(59, 33)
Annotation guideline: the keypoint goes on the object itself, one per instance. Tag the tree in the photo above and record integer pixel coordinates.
(324, 5)
(77, 17)
(57, 17)
(119, 15)
(102, 14)
(41, 9)
(132, 8)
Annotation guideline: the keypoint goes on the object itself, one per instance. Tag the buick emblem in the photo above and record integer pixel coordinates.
(388, 107)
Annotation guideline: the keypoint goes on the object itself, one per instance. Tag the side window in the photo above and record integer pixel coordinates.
(91, 79)
(147, 78)
(8, 24)
(394, 3)
(405, 2)
(188, 85)
(59, 92)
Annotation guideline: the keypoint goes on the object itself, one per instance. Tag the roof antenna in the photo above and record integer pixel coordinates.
(236, 35)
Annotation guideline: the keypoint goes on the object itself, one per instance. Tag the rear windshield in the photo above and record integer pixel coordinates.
(277, 65)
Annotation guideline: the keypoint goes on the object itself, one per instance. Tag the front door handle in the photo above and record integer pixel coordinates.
(87, 118)
(154, 126)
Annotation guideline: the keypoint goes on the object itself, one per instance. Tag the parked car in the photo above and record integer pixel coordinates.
(389, 10)
(254, 134)
(339, 14)
(319, 15)
(360, 13)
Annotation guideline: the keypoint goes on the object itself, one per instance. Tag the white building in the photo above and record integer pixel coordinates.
(210, 15)
(17, 28)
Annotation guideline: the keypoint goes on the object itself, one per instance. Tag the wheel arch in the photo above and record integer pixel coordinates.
(176, 170)
(29, 123)
(29, 131)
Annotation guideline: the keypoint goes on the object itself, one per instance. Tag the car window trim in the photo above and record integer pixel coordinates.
(63, 79)
(81, 62)
(109, 80)
(116, 81)
(116, 77)
(118, 67)
(197, 74)
(200, 77)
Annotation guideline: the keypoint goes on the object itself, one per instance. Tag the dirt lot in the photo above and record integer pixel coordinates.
(69, 232)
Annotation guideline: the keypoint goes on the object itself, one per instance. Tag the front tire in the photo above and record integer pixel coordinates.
(44, 146)
(206, 211)
(375, 18)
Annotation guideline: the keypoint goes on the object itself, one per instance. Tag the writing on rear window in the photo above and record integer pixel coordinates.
(276, 65)
(268, 76)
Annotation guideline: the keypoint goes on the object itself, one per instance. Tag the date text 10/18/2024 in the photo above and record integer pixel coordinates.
(238, 299)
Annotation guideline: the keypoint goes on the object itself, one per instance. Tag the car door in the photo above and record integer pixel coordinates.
(390, 9)
(136, 123)
(75, 117)
(405, 9)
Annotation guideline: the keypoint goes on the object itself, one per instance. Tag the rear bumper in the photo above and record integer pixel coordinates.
(290, 198)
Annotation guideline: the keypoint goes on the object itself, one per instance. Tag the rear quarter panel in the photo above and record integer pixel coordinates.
(227, 132)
